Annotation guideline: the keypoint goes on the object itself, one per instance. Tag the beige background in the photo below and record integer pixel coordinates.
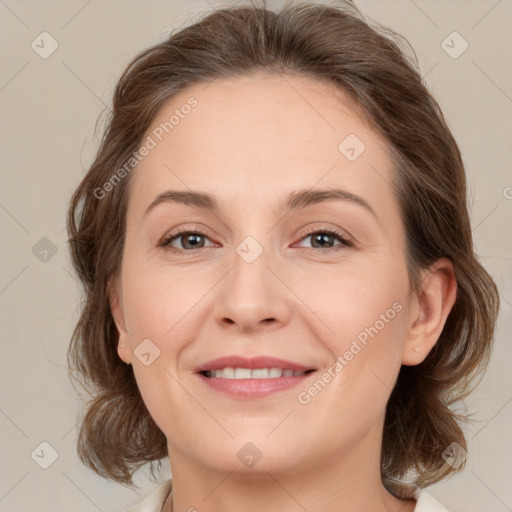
(49, 109)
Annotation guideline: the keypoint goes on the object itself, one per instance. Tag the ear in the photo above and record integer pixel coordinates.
(116, 307)
(432, 305)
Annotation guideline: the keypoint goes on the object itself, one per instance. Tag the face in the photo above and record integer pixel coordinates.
(273, 268)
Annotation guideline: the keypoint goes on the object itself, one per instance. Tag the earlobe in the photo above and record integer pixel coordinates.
(123, 346)
(435, 300)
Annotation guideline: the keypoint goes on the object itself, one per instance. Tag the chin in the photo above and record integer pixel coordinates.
(254, 455)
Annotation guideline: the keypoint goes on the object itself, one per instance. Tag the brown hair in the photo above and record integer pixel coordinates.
(337, 45)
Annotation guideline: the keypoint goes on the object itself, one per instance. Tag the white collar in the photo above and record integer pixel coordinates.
(155, 501)
(427, 503)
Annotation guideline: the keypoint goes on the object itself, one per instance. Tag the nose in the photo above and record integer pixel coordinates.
(253, 296)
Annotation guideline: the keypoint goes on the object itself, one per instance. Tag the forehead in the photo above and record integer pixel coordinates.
(259, 135)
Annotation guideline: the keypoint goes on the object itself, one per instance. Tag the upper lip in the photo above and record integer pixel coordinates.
(252, 363)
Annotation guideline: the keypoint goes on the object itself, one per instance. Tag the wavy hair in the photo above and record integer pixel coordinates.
(335, 44)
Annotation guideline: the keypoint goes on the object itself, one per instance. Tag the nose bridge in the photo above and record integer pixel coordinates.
(250, 275)
(251, 293)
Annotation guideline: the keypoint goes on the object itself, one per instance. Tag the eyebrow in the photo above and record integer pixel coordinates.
(294, 201)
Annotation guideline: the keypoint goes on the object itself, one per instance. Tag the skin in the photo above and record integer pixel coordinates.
(250, 142)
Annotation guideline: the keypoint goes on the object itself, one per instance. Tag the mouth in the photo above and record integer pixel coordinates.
(256, 373)
(255, 377)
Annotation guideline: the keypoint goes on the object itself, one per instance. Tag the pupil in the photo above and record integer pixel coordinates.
(192, 237)
(322, 238)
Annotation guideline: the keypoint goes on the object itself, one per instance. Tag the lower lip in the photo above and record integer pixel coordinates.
(253, 388)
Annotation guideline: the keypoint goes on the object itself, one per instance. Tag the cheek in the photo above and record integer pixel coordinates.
(159, 301)
(359, 301)
(369, 319)
(163, 309)
(366, 314)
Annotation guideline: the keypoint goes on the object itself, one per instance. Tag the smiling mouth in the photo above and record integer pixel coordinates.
(255, 373)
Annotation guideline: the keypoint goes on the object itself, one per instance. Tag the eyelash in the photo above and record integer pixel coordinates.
(165, 243)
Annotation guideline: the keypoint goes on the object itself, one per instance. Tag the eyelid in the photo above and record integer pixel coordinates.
(345, 239)
(333, 231)
(166, 239)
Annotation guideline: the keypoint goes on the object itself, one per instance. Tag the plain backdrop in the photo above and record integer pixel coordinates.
(49, 109)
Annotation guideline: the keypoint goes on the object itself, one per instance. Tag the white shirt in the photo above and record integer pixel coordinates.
(155, 501)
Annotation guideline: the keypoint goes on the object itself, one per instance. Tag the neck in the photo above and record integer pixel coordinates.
(347, 481)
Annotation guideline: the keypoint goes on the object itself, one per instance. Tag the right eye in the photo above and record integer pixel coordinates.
(190, 240)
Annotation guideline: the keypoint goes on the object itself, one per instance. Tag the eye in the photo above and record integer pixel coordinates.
(194, 240)
(190, 240)
(324, 238)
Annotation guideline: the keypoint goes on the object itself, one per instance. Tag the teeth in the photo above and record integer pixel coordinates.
(227, 373)
(275, 372)
(257, 373)
(242, 373)
(260, 373)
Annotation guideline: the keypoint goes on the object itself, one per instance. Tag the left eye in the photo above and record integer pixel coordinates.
(323, 238)
(195, 240)
(192, 240)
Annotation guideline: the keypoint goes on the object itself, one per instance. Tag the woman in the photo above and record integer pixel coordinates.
(281, 290)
